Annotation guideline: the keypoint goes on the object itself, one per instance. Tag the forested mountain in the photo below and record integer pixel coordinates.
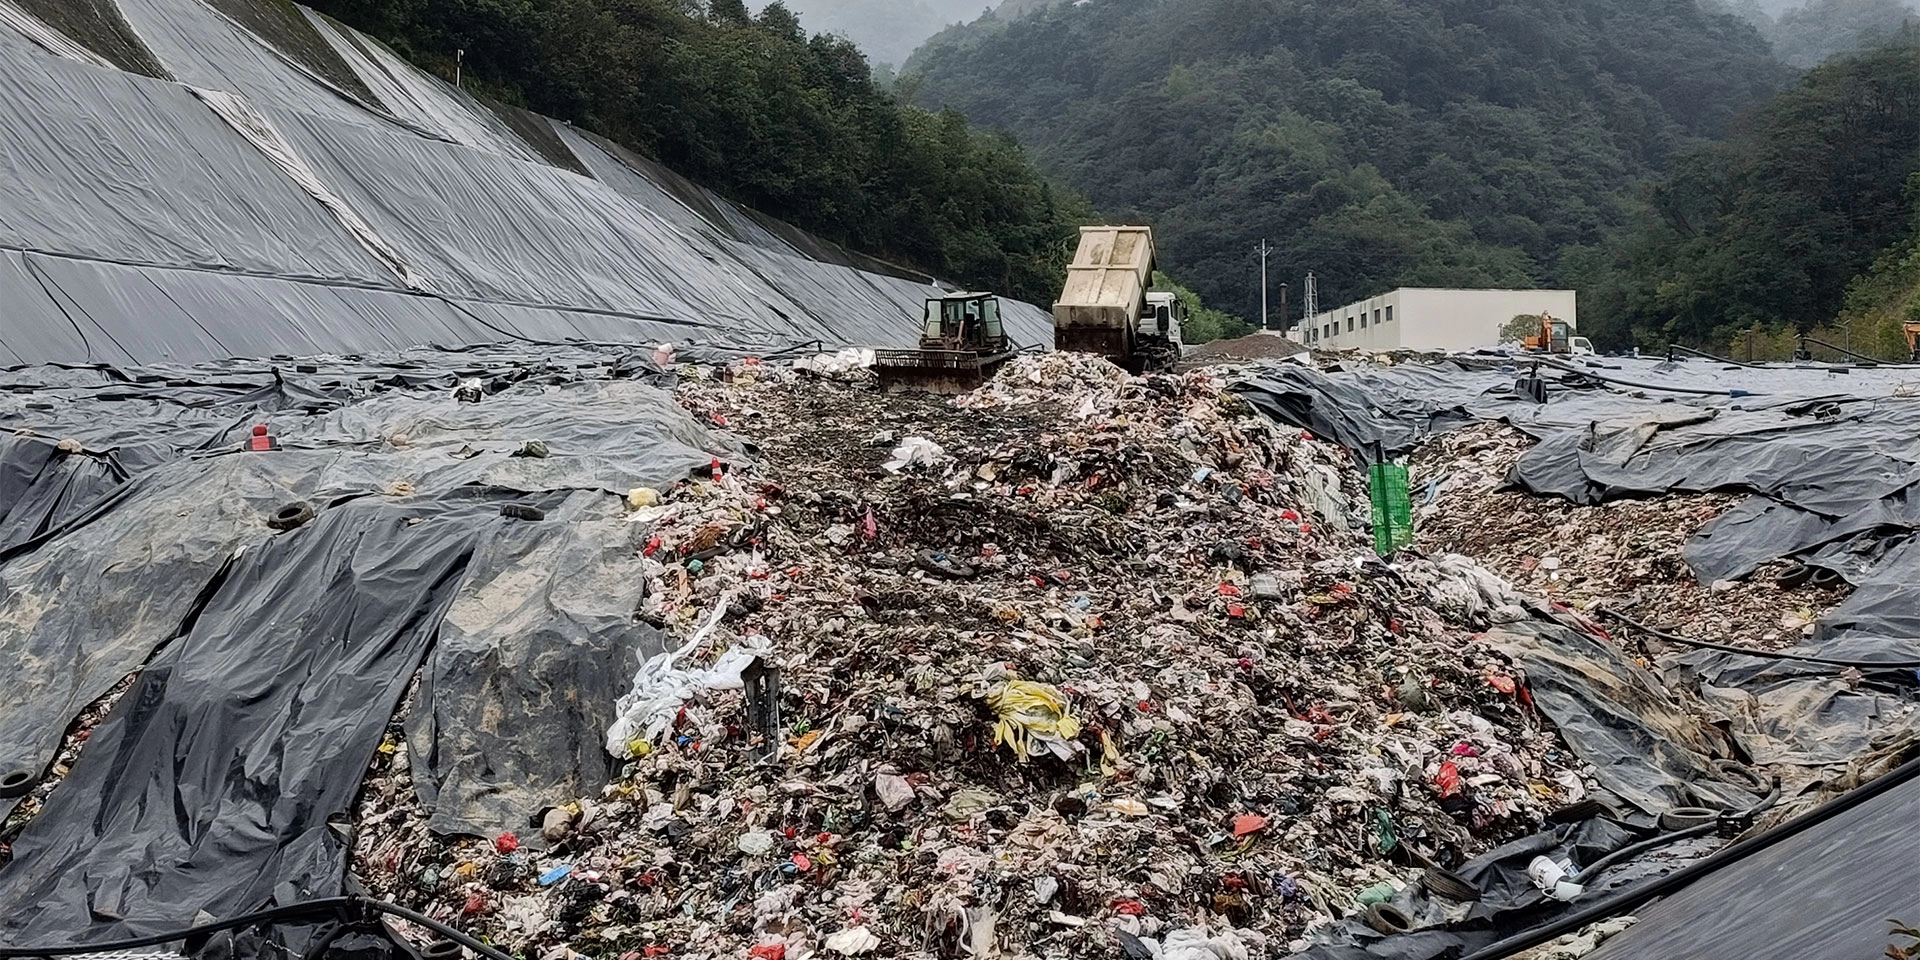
(754, 107)
(1807, 34)
(887, 31)
(1776, 224)
(1375, 142)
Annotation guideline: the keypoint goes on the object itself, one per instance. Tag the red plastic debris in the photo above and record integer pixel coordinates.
(475, 904)
(1290, 516)
(871, 527)
(1236, 611)
(801, 861)
(656, 950)
(1248, 823)
(1448, 780)
(1464, 749)
(506, 843)
(1229, 590)
(1502, 682)
(1146, 706)
(1131, 908)
(653, 546)
(769, 951)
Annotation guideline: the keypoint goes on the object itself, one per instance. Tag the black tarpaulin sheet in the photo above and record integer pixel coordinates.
(211, 787)
(269, 663)
(1830, 891)
(85, 608)
(1830, 457)
(137, 226)
(118, 167)
(541, 626)
(1508, 902)
(1618, 717)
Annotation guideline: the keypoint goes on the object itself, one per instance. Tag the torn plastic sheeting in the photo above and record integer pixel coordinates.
(661, 686)
(541, 627)
(1508, 903)
(211, 785)
(1596, 444)
(1617, 717)
(260, 132)
(122, 167)
(53, 41)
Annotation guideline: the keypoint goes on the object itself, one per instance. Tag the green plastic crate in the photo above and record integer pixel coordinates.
(1392, 507)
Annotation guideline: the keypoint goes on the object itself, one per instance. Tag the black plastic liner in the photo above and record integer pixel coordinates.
(1830, 456)
(139, 538)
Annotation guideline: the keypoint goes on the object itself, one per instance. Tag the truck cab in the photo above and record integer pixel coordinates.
(1165, 316)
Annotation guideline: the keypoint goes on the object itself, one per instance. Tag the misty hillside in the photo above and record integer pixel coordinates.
(1807, 33)
(886, 30)
(1377, 143)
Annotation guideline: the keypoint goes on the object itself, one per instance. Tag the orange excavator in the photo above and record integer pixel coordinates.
(1554, 336)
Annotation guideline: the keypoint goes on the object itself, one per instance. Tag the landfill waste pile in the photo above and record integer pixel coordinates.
(1077, 664)
(1627, 554)
(1728, 553)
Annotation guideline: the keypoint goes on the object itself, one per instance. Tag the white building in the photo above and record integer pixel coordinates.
(1424, 318)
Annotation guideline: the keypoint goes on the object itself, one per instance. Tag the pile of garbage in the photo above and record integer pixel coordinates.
(1077, 664)
(1625, 554)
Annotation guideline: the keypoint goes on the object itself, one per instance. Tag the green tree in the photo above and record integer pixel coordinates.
(1204, 324)
(1521, 327)
(1772, 226)
(1377, 143)
(788, 123)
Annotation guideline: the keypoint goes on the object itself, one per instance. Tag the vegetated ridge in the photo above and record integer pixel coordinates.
(752, 106)
(1377, 143)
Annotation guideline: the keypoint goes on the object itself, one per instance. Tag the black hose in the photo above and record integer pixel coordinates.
(311, 908)
(1634, 896)
(1696, 391)
(1708, 356)
(1591, 870)
(1762, 654)
(1857, 356)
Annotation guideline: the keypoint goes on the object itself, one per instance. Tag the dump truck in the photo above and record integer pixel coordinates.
(962, 342)
(1108, 307)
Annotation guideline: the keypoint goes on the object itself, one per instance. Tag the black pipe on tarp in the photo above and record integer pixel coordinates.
(1632, 897)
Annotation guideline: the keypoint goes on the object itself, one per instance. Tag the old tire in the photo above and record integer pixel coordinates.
(521, 511)
(1388, 919)
(1686, 818)
(1446, 883)
(943, 564)
(16, 784)
(441, 950)
(290, 516)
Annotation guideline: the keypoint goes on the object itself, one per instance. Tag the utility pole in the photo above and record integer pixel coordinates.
(458, 56)
(1264, 250)
(1312, 299)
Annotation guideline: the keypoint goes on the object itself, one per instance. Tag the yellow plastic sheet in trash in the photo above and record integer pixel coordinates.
(1030, 711)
